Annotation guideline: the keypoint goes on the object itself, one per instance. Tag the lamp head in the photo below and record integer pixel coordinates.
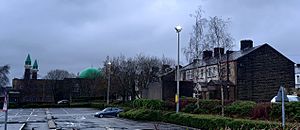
(178, 28)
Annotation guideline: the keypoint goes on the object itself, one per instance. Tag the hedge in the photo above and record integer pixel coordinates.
(197, 121)
(208, 107)
(148, 104)
(292, 111)
(240, 109)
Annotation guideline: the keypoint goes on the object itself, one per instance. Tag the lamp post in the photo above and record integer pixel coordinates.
(178, 29)
(108, 83)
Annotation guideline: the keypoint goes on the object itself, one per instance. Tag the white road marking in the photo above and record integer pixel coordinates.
(19, 112)
(65, 111)
(30, 115)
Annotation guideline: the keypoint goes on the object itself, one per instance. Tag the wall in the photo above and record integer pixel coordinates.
(261, 73)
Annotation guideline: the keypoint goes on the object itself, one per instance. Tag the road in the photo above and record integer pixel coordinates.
(75, 118)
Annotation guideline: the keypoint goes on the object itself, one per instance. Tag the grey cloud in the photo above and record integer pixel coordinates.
(74, 34)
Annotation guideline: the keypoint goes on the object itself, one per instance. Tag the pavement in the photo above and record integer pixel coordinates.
(75, 119)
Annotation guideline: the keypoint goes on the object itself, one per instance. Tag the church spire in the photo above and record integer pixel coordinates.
(28, 60)
(27, 68)
(35, 65)
(35, 69)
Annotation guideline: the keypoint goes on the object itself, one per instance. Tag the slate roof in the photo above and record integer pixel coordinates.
(214, 60)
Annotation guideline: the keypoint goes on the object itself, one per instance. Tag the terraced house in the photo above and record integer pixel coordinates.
(251, 73)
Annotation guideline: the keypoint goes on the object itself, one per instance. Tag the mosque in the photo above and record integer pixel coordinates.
(88, 85)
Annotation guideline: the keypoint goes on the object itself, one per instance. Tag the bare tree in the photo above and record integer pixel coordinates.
(119, 76)
(129, 76)
(218, 35)
(4, 71)
(55, 76)
(206, 35)
(167, 61)
(147, 71)
(58, 74)
(197, 42)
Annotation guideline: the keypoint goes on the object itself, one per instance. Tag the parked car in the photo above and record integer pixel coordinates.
(291, 98)
(110, 111)
(63, 102)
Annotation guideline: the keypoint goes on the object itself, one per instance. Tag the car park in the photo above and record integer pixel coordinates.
(109, 112)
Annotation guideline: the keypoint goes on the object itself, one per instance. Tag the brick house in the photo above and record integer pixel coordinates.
(252, 73)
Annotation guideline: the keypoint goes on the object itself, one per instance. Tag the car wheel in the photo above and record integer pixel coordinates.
(100, 116)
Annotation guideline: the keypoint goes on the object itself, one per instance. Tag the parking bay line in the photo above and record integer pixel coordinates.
(30, 115)
(65, 111)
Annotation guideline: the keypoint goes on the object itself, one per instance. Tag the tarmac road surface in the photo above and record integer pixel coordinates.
(75, 119)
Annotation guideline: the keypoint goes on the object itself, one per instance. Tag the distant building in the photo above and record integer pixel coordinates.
(34, 90)
(165, 88)
(297, 76)
(252, 73)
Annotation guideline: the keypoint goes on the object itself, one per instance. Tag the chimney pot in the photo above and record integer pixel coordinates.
(245, 44)
(207, 54)
(218, 51)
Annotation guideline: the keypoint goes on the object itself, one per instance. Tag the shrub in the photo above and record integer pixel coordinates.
(197, 121)
(97, 105)
(80, 105)
(208, 107)
(184, 101)
(261, 111)
(169, 105)
(143, 114)
(240, 108)
(148, 104)
(292, 111)
(189, 108)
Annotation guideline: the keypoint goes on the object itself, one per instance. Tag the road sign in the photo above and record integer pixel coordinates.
(280, 95)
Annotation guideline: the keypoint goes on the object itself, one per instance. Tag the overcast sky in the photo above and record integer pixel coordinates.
(75, 34)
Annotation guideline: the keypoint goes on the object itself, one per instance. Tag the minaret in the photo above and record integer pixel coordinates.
(35, 69)
(27, 68)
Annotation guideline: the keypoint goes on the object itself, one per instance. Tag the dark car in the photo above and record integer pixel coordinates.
(63, 102)
(110, 111)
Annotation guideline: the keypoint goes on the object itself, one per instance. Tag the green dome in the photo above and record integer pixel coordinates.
(90, 73)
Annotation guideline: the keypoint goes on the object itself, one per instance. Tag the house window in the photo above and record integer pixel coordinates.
(298, 79)
(214, 72)
(188, 74)
(202, 74)
(196, 73)
(209, 72)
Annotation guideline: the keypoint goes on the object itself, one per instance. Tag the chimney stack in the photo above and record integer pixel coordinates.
(196, 60)
(207, 54)
(229, 52)
(218, 51)
(245, 44)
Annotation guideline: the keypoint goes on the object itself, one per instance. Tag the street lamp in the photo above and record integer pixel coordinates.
(108, 83)
(178, 29)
